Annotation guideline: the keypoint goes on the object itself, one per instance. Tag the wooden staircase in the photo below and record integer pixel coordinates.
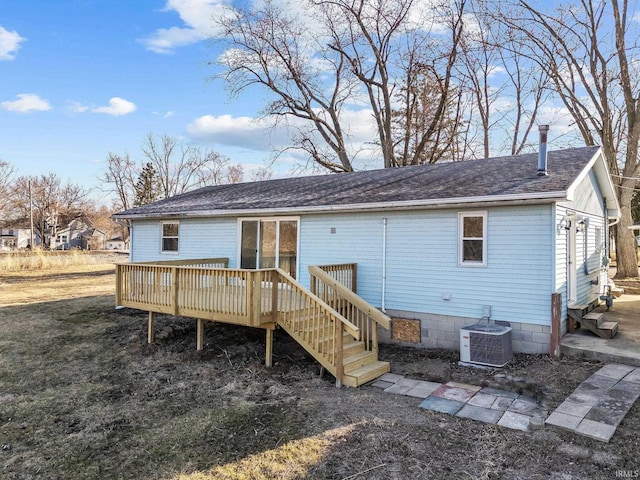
(584, 316)
(359, 365)
(336, 326)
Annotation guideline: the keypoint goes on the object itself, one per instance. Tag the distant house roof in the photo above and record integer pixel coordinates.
(501, 179)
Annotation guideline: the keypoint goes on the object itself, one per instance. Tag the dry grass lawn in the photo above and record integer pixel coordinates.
(82, 396)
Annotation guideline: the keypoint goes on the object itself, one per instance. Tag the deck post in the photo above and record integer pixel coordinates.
(268, 361)
(556, 318)
(118, 284)
(354, 278)
(313, 284)
(275, 280)
(174, 292)
(150, 333)
(199, 334)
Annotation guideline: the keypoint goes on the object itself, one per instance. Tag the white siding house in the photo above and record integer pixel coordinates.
(436, 243)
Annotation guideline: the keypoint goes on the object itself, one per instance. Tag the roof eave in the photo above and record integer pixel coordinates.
(464, 202)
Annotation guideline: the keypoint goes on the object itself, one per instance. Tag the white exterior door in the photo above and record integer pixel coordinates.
(266, 243)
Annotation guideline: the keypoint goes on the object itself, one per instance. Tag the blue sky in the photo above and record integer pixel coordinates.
(81, 78)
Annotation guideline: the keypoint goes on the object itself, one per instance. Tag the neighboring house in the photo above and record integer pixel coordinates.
(443, 244)
(13, 238)
(117, 243)
(80, 233)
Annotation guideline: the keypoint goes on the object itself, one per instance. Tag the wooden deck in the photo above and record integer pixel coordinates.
(336, 326)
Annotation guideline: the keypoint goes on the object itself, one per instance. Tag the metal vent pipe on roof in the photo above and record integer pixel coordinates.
(542, 154)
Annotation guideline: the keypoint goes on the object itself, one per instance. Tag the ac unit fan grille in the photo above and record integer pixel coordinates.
(490, 349)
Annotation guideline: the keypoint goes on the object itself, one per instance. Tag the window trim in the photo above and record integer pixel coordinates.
(462, 238)
(162, 237)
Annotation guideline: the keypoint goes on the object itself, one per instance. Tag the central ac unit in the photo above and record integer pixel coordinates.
(485, 344)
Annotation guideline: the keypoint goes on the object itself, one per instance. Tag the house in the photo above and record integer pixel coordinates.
(79, 233)
(13, 238)
(116, 243)
(437, 247)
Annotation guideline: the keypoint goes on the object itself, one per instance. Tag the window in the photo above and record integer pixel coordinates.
(472, 234)
(170, 236)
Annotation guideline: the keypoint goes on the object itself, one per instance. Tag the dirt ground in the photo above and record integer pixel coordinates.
(83, 396)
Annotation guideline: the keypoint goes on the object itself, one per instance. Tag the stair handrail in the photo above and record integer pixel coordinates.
(351, 328)
(344, 291)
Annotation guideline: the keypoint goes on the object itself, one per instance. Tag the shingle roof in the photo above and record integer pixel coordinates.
(511, 176)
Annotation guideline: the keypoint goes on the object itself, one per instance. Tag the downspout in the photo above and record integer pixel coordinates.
(384, 264)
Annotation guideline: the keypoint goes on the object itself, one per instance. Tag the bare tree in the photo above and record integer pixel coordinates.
(590, 52)
(120, 178)
(6, 177)
(338, 52)
(271, 47)
(235, 174)
(178, 168)
(504, 91)
(181, 168)
(53, 203)
(260, 174)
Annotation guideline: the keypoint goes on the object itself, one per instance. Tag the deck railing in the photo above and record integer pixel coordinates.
(226, 295)
(342, 299)
(344, 273)
(259, 298)
(221, 262)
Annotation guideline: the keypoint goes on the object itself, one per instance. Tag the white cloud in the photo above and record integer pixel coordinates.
(165, 115)
(76, 107)
(245, 132)
(197, 16)
(9, 43)
(26, 102)
(117, 107)
(266, 135)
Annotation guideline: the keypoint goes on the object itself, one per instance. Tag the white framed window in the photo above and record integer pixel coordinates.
(169, 241)
(472, 239)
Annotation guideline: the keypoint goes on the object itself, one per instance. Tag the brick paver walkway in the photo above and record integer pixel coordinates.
(594, 409)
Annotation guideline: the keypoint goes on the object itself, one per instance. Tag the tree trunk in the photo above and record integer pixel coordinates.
(626, 246)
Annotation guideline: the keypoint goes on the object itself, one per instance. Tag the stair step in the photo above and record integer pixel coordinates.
(366, 373)
(352, 348)
(582, 307)
(357, 360)
(598, 318)
(607, 329)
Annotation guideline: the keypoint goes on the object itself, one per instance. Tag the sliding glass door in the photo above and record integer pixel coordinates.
(266, 243)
